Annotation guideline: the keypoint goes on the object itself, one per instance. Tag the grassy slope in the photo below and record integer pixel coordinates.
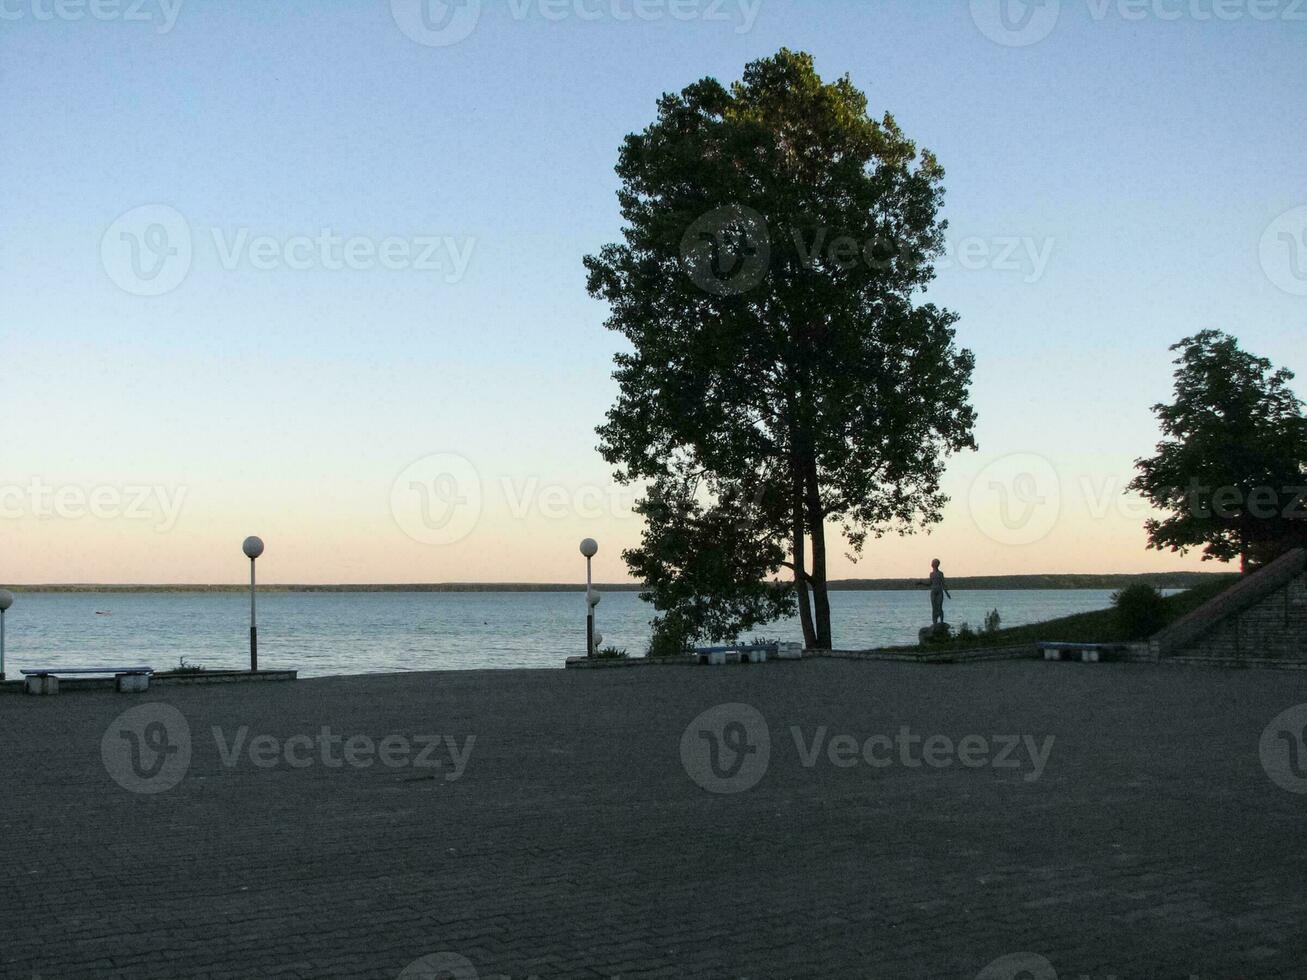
(1099, 626)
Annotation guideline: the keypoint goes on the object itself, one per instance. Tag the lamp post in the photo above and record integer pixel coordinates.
(592, 601)
(6, 600)
(253, 547)
(589, 548)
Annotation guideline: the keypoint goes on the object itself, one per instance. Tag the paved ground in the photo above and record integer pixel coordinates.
(575, 840)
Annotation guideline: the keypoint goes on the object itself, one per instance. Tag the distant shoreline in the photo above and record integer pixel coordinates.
(1164, 580)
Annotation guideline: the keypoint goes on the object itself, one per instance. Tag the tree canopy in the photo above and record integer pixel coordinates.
(1231, 466)
(781, 375)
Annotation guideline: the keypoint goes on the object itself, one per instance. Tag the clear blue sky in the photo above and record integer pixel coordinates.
(1143, 159)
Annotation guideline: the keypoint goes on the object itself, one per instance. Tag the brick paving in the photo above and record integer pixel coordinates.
(575, 842)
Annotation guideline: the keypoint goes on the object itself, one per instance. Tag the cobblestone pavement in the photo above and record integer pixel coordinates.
(599, 825)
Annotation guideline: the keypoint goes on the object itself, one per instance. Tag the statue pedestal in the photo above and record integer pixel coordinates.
(934, 634)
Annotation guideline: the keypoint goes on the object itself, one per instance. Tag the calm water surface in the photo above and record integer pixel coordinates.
(322, 633)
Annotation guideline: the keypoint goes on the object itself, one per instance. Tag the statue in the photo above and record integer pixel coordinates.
(938, 629)
(937, 594)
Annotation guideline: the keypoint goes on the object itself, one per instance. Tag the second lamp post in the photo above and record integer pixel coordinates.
(590, 548)
(253, 547)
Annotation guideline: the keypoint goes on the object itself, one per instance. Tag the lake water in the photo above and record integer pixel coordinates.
(321, 633)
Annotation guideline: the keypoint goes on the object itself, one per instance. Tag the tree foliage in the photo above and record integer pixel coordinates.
(1230, 468)
(708, 566)
(780, 375)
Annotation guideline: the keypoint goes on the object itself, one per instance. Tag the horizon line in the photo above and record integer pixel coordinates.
(628, 586)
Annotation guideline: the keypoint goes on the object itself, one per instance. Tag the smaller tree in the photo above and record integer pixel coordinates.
(707, 576)
(1230, 469)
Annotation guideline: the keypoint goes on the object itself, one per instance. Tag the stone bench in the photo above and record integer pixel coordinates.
(741, 653)
(45, 680)
(1089, 653)
(750, 653)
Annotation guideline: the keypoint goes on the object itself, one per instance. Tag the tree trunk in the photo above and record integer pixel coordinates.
(800, 574)
(817, 528)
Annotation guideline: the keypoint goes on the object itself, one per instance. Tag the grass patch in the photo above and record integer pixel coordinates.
(1099, 626)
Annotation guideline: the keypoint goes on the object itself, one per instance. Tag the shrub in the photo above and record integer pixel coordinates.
(965, 632)
(992, 621)
(671, 636)
(187, 668)
(612, 653)
(938, 633)
(1140, 611)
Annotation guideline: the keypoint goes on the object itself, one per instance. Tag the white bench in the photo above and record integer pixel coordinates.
(45, 680)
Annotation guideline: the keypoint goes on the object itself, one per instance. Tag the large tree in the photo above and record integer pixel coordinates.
(781, 372)
(1230, 468)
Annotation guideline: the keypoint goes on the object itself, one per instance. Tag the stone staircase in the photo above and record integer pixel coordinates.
(1259, 621)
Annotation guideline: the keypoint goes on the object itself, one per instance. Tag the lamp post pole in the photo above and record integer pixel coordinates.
(6, 600)
(596, 638)
(253, 547)
(589, 548)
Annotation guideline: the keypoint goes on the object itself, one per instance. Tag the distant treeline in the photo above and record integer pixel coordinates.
(1163, 580)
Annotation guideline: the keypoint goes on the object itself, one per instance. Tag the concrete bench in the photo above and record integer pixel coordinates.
(751, 653)
(744, 653)
(45, 680)
(1088, 653)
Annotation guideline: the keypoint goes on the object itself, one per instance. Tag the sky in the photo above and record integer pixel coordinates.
(311, 269)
